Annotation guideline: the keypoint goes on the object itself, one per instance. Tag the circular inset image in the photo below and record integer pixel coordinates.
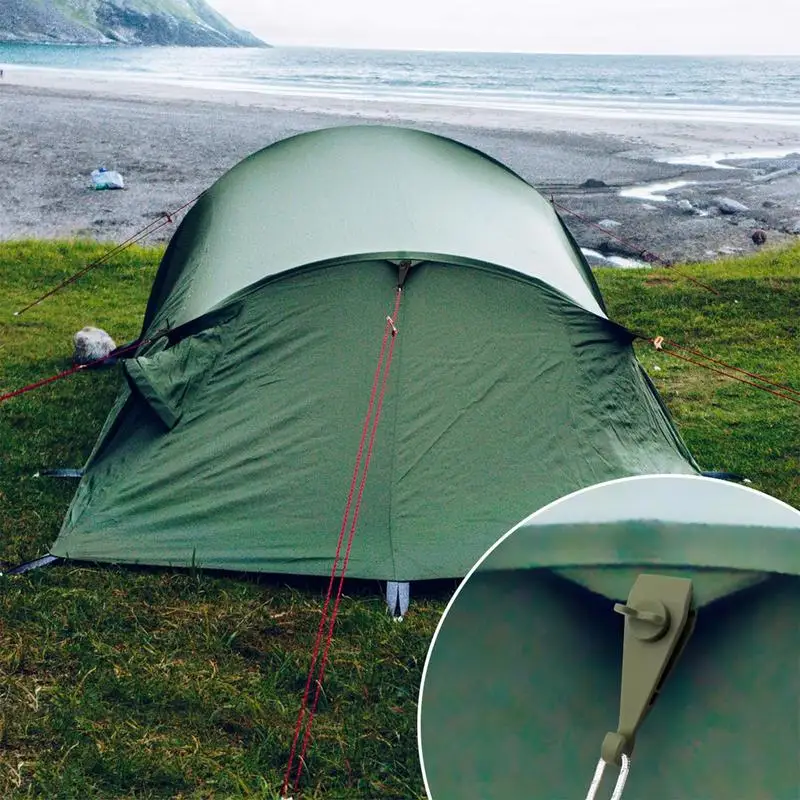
(638, 639)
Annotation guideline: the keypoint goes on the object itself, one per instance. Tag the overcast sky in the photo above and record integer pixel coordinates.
(550, 26)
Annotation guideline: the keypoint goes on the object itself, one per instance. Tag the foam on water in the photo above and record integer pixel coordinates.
(713, 160)
(654, 192)
(617, 261)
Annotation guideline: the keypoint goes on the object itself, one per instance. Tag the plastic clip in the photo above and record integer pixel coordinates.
(659, 620)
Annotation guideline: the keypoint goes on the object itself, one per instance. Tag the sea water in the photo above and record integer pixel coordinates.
(733, 90)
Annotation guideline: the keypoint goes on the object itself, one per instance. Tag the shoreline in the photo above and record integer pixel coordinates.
(682, 136)
(171, 142)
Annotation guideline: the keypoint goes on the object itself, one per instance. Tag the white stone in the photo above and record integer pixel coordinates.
(728, 206)
(91, 344)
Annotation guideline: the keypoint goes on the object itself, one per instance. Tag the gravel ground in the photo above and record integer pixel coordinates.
(171, 144)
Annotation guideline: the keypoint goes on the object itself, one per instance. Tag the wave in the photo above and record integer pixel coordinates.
(354, 78)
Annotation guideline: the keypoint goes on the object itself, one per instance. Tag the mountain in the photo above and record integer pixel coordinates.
(145, 22)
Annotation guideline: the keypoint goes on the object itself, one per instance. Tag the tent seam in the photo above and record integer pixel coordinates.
(398, 372)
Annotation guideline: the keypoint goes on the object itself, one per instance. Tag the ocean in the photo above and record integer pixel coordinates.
(731, 90)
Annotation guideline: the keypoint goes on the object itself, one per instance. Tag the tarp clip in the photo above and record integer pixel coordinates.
(402, 271)
(659, 620)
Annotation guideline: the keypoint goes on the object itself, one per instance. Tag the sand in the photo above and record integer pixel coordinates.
(170, 143)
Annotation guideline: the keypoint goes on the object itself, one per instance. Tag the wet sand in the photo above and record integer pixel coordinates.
(171, 143)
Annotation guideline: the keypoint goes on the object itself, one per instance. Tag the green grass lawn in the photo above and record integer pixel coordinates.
(136, 683)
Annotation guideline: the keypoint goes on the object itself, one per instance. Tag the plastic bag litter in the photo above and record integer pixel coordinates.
(103, 178)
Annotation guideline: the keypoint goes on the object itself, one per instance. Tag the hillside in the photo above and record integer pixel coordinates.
(140, 22)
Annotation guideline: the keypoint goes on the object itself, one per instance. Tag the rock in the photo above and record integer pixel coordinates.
(685, 205)
(593, 183)
(728, 206)
(794, 227)
(759, 236)
(729, 251)
(91, 344)
(609, 223)
(778, 173)
(769, 204)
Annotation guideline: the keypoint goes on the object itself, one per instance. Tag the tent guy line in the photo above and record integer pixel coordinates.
(647, 255)
(727, 366)
(167, 218)
(597, 779)
(382, 375)
(658, 342)
(113, 355)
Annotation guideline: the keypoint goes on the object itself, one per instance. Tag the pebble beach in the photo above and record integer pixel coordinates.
(686, 191)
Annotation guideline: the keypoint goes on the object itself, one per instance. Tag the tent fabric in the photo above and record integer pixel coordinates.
(523, 679)
(703, 501)
(232, 443)
(362, 191)
(523, 683)
(656, 541)
(167, 379)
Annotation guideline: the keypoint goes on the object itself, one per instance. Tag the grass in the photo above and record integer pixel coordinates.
(126, 683)
(752, 323)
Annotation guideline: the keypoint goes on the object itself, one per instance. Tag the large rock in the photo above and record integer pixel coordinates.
(685, 206)
(728, 206)
(794, 226)
(91, 344)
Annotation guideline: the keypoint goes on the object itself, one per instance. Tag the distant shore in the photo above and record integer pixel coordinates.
(171, 142)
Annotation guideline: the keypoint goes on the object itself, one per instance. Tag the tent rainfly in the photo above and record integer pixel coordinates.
(531, 666)
(231, 445)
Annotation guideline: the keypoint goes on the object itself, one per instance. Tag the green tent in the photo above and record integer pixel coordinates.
(524, 678)
(233, 441)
